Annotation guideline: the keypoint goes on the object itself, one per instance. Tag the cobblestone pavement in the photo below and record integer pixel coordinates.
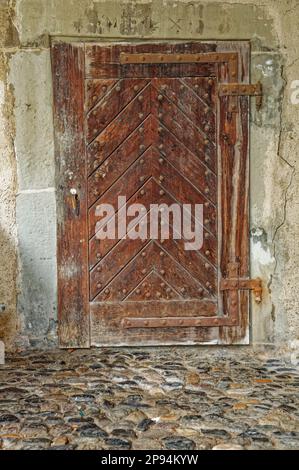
(167, 398)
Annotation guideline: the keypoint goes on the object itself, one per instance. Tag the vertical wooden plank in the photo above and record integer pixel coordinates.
(234, 229)
(72, 254)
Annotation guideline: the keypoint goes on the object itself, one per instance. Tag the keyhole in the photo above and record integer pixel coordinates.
(77, 205)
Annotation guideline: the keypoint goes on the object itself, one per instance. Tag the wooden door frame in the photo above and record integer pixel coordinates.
(68, 65)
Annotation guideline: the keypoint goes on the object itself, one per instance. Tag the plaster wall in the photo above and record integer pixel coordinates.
(27, 171)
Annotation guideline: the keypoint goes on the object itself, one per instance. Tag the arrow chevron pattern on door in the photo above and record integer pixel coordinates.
(145, 121)
(153, 141)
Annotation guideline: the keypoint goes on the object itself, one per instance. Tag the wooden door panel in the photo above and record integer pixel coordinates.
(158, 133)
(152, 171)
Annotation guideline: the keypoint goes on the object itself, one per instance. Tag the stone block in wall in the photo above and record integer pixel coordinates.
(36, 219)
(31, 79)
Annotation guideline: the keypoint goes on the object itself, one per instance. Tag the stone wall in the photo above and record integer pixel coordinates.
(27, 189)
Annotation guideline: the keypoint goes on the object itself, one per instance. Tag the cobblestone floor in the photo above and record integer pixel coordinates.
(172, 398)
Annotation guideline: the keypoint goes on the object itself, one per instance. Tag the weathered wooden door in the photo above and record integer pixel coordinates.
(147, 122)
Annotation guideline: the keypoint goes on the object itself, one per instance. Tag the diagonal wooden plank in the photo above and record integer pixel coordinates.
(204, 89)
(203, 158)
(119, 129)
(187, 191)
(188, 165)
(161, 196)
(205, 256)
(96, 89)
(112, 104)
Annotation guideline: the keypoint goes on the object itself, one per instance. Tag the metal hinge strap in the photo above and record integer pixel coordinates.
(156, 58)
(204, 58)
(177, 322)
(242, 89)
(236, 284)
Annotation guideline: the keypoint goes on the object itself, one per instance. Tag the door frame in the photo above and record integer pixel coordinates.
(69, 73)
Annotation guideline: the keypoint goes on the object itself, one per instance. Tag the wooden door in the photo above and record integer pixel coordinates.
(146, 122)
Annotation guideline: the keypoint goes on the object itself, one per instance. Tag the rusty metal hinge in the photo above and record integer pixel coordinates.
(242, 89)
(156, 322)
(236, 284)
(169, 58)
(177, 322)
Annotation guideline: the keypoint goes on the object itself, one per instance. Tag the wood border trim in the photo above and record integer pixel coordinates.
(72, 241)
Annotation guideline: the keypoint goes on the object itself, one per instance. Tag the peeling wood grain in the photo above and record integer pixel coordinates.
(72, 243)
